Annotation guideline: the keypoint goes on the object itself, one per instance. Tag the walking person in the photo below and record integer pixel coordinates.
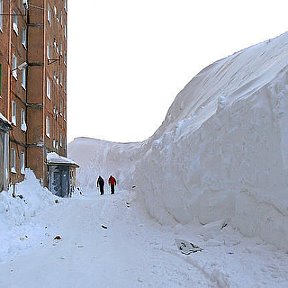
(112, 183)
(100, 184)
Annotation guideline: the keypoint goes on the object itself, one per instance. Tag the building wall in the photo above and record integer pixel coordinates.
(4, 58)
(35, 89)
(47, 67)
(44, 128)
(18, 91)
(56, 71)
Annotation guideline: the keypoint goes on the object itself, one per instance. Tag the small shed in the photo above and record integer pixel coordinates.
(61, 175)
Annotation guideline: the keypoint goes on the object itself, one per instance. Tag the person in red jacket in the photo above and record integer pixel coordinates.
(112, 183)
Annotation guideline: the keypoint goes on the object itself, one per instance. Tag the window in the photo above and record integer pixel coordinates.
(58, 15)
(15, 22)
(49, 14)
(65, 84)
(55, 144)
(14, 66)
(61, 107)
(55, 77)
(64, 113)
(24, 37)
(25, 4)
(24, 78)
(48, 88)
(14, 113)
(61, 78)
(47, 126)
(13, 160)
(22, 162)
(65, 58)
(60, 140)
(48, 51)
(55, 112)
(61, 18)
(23, 120)
(1, 16)
(0, 78)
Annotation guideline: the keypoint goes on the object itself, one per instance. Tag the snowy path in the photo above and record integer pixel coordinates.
(135, 252)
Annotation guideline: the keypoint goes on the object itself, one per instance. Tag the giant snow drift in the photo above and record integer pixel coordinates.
(221, 152)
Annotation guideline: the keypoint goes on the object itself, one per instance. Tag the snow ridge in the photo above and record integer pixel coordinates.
(221, 152)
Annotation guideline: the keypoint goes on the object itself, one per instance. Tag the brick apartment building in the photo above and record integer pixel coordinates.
(33, 81)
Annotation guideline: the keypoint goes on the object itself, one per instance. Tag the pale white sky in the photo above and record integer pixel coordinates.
(128, 59)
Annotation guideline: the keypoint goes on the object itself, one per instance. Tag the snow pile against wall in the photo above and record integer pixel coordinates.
(29, 199)
(221, 152)
(104, 158)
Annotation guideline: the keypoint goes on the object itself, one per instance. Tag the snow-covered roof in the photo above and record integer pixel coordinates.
(4, 119)
(54, 158)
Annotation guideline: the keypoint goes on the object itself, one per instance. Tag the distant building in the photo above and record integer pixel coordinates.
(33, 84)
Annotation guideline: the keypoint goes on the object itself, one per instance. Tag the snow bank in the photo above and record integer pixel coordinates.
(98, 157)
(220, 154)
(18, 210)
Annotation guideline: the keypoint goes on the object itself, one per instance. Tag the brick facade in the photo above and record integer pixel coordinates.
(33, 59)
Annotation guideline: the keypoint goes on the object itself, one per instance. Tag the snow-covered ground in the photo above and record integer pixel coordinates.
(134, 250)
(215, 174)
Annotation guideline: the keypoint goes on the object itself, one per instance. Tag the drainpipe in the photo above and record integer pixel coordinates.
(26, 92)
(9, 83)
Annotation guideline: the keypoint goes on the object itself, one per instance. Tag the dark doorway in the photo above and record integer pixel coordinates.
(60, 181)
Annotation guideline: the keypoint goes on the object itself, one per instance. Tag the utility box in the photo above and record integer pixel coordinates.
(61, 175)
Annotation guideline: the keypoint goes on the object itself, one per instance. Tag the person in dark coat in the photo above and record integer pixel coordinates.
(112, 183)
(100, 184)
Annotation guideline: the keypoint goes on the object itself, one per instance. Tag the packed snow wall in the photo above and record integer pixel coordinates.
(221, 152)
(98, 157)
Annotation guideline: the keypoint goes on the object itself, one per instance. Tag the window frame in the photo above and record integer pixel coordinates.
(24, 37)
(1, 16)
(14, 66)
(49, 14)
(22, 163)
(48, 88)
(48, 127)
(15, 22)
(60, 140)
(14, 113)
(0, 78)
(24, 78)
(13, 161)
(23, 120)
(48, 50)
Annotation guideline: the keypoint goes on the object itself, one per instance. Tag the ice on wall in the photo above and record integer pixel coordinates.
(221, 152)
